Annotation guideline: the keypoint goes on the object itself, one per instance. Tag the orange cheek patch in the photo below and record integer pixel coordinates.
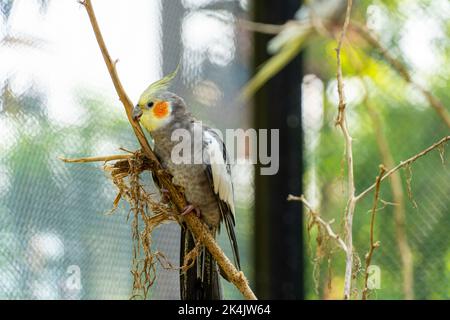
(161, 109)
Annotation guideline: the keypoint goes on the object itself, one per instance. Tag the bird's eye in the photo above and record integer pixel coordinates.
(150, 104)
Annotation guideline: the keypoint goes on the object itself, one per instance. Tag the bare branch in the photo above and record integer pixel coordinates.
(97, 159)
(398, 199)
(111, 65)
(316, 218)
(405, 163)
(195, 225)
(342, 122)
(340, 82)
(373, 245)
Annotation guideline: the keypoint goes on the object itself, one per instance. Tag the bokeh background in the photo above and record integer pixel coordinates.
(390, 120)
(56, 99)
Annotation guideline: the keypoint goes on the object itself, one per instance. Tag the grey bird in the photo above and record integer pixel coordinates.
(202, 169)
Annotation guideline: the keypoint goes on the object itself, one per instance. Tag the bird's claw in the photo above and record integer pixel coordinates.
(189, 208)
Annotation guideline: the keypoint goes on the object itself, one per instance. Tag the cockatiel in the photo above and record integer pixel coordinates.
(207, 183)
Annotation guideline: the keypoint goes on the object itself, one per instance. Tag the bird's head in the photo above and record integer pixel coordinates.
(157, 107)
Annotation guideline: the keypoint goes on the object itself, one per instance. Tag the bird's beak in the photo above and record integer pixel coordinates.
(137, 113)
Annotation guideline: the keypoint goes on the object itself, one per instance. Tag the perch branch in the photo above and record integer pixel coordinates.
(373, 245)
(402, 70)
(317, 219)
(97, 159)
(403, 164)
(195, 225)
(342, 122)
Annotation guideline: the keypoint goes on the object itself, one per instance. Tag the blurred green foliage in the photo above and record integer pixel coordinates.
(409, 124)
(47, 204)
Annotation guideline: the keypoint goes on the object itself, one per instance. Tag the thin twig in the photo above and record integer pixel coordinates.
(402, 70)
(340, 82)
(373, 244)
(316, 218)
(111, 65)
(261, 27)
(195, 225)
(342, 122)
(403, 164)
(97, 159)
(398, 198)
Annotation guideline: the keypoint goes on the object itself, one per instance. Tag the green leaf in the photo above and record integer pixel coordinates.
(274, 65)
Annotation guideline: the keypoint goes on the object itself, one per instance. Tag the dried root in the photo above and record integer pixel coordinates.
(147, 213)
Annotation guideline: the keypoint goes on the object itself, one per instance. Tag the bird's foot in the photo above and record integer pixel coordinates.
(189, 208)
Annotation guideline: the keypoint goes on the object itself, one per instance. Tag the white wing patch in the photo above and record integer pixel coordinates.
(223, 186)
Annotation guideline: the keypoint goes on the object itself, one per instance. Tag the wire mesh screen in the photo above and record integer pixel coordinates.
(57, 239)
(390, 119)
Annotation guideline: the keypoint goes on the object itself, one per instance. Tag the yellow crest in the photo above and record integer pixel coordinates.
(157, 86)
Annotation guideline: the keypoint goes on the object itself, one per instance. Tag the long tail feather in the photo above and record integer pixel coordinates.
(201, 281)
